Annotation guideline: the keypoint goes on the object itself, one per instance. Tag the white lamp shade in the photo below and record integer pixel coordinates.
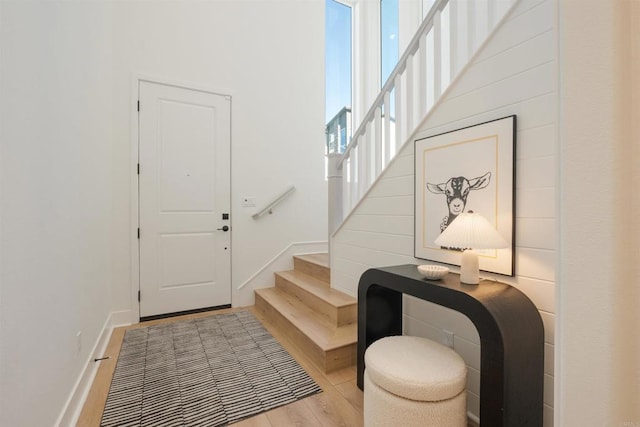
(471, 231)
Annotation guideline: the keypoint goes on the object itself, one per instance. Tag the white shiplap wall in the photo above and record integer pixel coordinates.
(515, 73)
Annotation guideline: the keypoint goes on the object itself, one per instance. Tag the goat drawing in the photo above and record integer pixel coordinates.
(457, 190)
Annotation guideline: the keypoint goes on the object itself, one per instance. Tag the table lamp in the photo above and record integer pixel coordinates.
(467, 232)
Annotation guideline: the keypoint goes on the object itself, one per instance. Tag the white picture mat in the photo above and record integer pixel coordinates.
(470, 153)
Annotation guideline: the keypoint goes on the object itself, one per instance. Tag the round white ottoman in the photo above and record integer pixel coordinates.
(413, 381)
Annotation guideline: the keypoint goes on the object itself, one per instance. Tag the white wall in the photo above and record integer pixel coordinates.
(66, 162)
(599, 355)
(269, 56)
(55, 205)
(515, 73)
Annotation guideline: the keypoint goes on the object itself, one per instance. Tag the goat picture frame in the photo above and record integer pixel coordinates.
(469, 169)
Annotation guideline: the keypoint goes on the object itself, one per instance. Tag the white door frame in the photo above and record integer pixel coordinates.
(135, 190)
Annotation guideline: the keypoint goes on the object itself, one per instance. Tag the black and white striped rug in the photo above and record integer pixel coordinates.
(211, 371)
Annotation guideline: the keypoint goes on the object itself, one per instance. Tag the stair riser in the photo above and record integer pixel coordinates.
(327, 361)
(337, 315)
(318, 271)
(340, 358)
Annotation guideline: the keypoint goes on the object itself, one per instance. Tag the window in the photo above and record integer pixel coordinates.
(338, 50)
(388, 38)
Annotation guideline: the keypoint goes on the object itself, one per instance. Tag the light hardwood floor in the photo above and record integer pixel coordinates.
(340, 403)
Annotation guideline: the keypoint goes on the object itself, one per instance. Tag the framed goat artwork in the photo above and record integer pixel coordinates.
(469, 169)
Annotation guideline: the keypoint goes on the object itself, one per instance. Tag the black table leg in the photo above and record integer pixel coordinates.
(379, 316)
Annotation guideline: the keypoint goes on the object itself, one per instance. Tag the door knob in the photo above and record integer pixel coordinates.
(224, 228)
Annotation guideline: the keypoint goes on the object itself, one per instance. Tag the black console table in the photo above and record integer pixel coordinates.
(509, 326)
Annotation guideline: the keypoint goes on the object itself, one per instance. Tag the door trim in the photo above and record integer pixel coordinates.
(134, 243)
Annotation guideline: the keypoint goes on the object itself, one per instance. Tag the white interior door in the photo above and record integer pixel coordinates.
(184, 199)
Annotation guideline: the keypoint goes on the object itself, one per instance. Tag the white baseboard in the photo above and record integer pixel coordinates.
(73, 406)
(263, 278)
(122, 318)
(473, 417)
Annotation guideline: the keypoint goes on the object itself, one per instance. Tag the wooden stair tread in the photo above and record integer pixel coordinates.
(328, 337)
(318, 288)
(321, 259)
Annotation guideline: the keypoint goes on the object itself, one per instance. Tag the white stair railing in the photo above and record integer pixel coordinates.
(446, 40)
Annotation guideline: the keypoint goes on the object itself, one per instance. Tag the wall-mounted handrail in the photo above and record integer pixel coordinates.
(269, 207)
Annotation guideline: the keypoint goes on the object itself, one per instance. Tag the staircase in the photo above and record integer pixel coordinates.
(319, 319)
(452, 31)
